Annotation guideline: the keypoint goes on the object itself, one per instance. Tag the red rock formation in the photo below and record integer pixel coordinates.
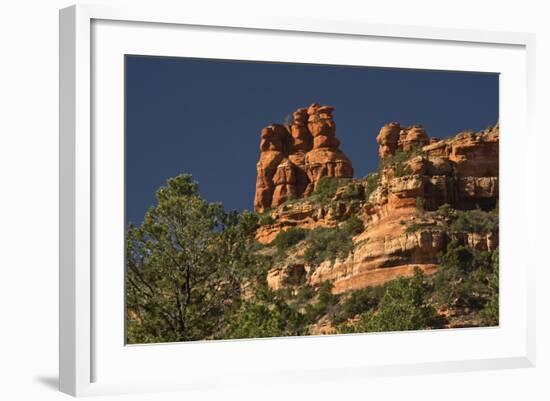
(393, 138)
(271, 154)
(325, 159)
(294, 158)
(461, 171)
(388, 139)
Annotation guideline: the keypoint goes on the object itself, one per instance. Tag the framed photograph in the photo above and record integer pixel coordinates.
(266, 198)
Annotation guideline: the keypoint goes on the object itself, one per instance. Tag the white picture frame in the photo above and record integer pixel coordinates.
(85, 331)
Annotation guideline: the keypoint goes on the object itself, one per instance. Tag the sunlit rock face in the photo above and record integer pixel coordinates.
(461, 171)
(293, 158)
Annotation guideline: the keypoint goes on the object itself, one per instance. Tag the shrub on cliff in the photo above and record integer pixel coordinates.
(398, 162)
(326, 188)
(353, 226)
(265, 219)
(327, 244)
(445, 210)
(287, 238)
(353, 191)
(371, 183)
(475, 221)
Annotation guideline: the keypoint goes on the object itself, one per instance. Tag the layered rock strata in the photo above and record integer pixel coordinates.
(293, 158)
(461, 171)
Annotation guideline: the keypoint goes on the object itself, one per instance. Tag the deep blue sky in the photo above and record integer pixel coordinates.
(204, 117)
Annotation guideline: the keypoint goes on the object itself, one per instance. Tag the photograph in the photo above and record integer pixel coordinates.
(274, 199)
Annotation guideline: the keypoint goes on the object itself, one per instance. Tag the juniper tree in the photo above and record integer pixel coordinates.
(185, 265)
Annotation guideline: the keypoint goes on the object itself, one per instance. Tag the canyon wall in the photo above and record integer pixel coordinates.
(418, 174)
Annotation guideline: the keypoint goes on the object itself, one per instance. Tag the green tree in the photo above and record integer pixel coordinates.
(326, 188)
(325, 243)
(185, 265)
(462, 277)
(256, 320)
(475, 221)
(403, 307)
(371, 184)
(359, 301)
(491, 311)
(353, 226)
(287, 238)
(326, 300)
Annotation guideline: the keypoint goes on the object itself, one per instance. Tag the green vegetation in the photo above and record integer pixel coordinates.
(403, 306)
(195, 271)
(475, 221)
(353, 191)
(353, 226)
(414, 227)
(304, 295)
(358, 302)
(445, 210)
(491, 311)
(325, 243)
(326, 188)
(287, 238)
(185, 265)
(464, 277)
(420, 204)
(401, 170)
(325, 302)
(399, 157)
(399, 160)
(265, 219)
(322, 243)
(371, 183)
(467, 278)
(256, 320)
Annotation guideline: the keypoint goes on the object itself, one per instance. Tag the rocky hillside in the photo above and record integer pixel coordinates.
(411, 246)
(322, 225)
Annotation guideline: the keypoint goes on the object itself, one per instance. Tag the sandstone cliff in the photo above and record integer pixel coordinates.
(293, 158)
(400, 206)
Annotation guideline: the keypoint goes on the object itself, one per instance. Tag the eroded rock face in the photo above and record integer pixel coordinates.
(289, 275)
(294, 158)
(393, 138)
(461, 171)
(381, 255)
(388, 138)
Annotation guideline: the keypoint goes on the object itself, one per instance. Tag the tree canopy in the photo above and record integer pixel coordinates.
(186, 264)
